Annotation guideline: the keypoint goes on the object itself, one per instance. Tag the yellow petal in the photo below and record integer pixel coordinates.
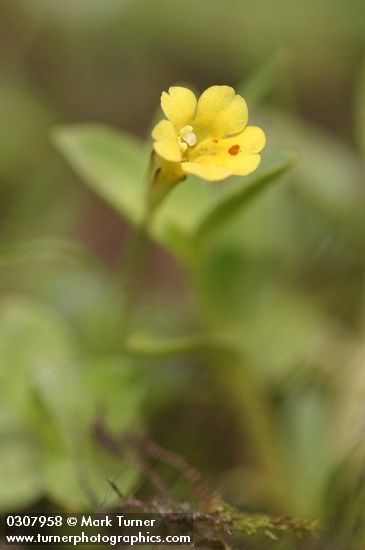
(244, 165)
(220, 113)
(251, 140)
(206, 170)
(164, 130)
(240, 152)
(179, 106)
(166, 145)
(237, 155)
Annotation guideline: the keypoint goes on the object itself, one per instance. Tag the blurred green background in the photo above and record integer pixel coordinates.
(282, 276)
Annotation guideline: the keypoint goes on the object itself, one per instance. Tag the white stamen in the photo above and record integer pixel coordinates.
(188, 135)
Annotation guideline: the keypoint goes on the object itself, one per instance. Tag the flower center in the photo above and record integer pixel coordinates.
(187, 138)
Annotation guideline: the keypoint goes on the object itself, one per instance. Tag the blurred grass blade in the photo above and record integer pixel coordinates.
(42, 250)
(113, 164)
(360, 111)
(241, 196)
(141, 345)
(259, 85)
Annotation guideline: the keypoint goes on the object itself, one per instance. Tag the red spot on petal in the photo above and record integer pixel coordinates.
(234, 150)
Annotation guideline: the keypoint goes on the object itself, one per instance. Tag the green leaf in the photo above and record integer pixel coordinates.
(77, 470)
(196, 206)
(333, 190)
(39, 380)
(261, 82)
(20, 472)
(235, 197)
(178, 216)
(52, 397)
(113, 164)
(35, 349)
(90, 301)
(76, 476)
(283, 329)
(116, 384)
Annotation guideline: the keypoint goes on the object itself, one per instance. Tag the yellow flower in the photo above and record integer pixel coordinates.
(209, 137)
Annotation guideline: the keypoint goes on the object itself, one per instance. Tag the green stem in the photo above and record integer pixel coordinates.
(161, 181)
(259, 425)
(134, 261)
(189, 345)
(244, 393)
